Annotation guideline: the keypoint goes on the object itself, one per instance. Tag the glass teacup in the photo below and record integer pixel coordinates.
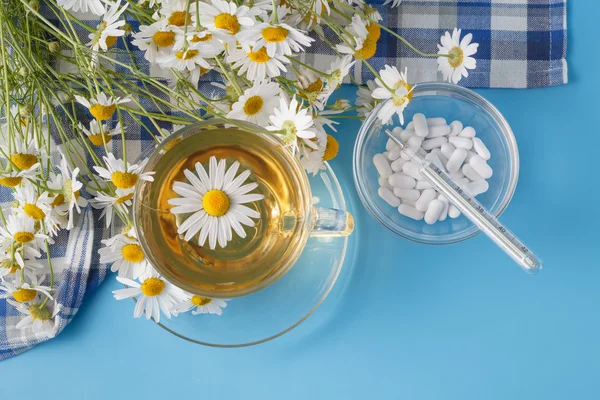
(269, 249)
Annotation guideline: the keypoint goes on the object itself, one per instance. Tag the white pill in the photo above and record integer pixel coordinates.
(384, 181)
(457, 175)
(470, 155)
(435, 160)
(456, 160)
(455, 128)
(444, 213)
(423, 185)
(447, 149)
(404, 156)
(470, 173)
(394, 154)
(410, 126)
(438, 130)
(406, 134)
(481, 167)
(442, 158)
(385, 153)
(420, 124)
(407, 194)
(412, 169)
(462, 142)
(396, 132)
(402, 181)
(453, 212)
(409, 202)
(397, 164)
(386, 194)
(433, 211)
(462, 182)
(431, 144)
(481, 149)
(436, 122)
(415, 141)
(382, 165)
(410, 212)
(476, 188)
(468, 132)
(424, 200)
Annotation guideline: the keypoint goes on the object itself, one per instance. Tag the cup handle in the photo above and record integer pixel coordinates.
(331, 222)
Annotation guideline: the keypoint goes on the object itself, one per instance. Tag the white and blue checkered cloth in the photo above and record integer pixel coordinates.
(522, 43)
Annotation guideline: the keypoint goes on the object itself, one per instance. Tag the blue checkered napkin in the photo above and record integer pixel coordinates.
(522, 43)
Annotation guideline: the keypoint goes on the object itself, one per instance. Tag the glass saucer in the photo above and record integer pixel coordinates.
(284, 305)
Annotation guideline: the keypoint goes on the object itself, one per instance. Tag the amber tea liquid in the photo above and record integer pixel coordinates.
(244, 265)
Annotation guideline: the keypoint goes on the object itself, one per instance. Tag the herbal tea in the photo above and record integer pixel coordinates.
(245, 264)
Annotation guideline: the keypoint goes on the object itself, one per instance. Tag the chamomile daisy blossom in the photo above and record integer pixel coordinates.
(354, 41)
(99, 135)
(174, 12)
(153, 294)
(121, 175)
(257, 103)
(364, 101)
(13, 263)
(24, 155)
(188, 58)
(102, 107)
(291, 120)
(156, 39)
(226, 19)
(214, 203)
(338, 70)
(200, 305)
(399, 97)
(42, 317)
(126, 256)
(94, 6)
(24, 292)
(21, 231)
(460, 59)
(257, 65)
(15, 178)
(69, 196)
(32, 205)
(279, 39)
(203, 36)
(108, 30)
(109, 204)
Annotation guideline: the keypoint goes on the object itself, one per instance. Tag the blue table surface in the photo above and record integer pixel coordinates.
(414, 321)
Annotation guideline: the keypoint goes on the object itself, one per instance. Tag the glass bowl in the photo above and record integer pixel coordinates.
(453, 103)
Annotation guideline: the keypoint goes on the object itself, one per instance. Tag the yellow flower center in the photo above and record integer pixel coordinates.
(164, 39)
(153, 287)
(123, 199)
(253, 105)
(374, 30)
(10, 264)
(23, 237)
(315, 87)
(186, 54)
(11, 181)
(457, 56)
(368, 49)
(101, 112)
(274, 34)
(228, 22)
(124, 180)
(178, 18)
(100, 138)
(23, 295)
(205, 38)
(200, 301)
(110, 41)
(260, 56)
(331, 149)
(33, 211)
(132, 252)
(215, 203)
(40, 312)
(399, 100)
(59, 200)
(23, 160)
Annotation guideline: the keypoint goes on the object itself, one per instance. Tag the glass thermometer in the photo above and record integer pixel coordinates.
(472, 209)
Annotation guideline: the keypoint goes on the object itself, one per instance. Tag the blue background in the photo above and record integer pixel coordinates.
(413, 321)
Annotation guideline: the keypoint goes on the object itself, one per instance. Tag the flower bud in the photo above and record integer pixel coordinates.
(24, 72)
(35, 5)
(25, 110)
(54, 47)
(340, 105)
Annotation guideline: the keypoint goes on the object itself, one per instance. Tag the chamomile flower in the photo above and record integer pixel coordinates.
(257, 103)
(226, 19)
(102, 107)
(69, 197)
(126, 256)
(338, 70)
(312, 89)
(399, 97)
(188, 58)
(364, 101)
(259, 8)
(24, 292)
(11, 264)
(13, 178)
(109, 204)
(201, 36)
(98, 134)
(291, 120)
(94, 6)
(42, 318)
(257, 65)
(153, 295)
(356, 37)
(373, 14)
(460, 59)
(200, 305)
(24, 155)
(108, 31)
(121, 175)
(156, 39)
(216, 203)
(21, 231)
(174, 11)
(279, 39)
(32, 205)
